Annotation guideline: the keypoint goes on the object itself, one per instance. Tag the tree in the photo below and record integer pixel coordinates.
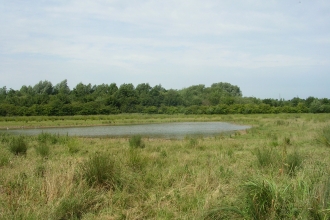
(172, 98)
(127, 97)
(83, 92)
(62, 87)
(43, 87)
(316, 106)
(193, 95)
(143, 88)
(3, 93)
(157, 95)
(309, 101)
(227, 88)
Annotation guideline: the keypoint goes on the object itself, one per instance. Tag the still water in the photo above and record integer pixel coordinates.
(164, 130)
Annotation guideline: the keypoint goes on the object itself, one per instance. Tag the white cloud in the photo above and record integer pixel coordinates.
(141, 37)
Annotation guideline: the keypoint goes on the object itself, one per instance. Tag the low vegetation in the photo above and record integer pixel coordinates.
(278, 169)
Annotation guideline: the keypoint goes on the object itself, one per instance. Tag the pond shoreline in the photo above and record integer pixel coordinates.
(162, 130)
(67, 123)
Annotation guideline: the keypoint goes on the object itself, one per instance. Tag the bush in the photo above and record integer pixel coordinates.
(136, 142)
(100, 170)
(18, 146)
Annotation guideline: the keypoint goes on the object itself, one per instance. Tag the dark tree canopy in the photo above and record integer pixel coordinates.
(220, 98)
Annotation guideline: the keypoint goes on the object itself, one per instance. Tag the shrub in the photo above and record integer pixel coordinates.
(136, 142)
(18, 145)
(101, 170)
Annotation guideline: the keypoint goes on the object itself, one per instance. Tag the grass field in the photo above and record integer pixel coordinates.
(278, 169)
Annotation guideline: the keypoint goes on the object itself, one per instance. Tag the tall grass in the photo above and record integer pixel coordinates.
(210, 178)
(323, 136)
(18, 145)
(267, 156)
(262, 198)
(294, 162)
(136, 161)
(101, 171)
(43, 150)
(136, 142)
(78, 203)
(4, 157)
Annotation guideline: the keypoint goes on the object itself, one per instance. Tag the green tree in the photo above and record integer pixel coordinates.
(127, 98)
(172, 98)
(316, 106)
(62, 87)
(43, 87)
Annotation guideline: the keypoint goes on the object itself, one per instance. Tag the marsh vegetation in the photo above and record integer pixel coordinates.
(278, 169)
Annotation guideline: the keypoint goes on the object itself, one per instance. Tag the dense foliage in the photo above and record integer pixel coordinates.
(220, 98)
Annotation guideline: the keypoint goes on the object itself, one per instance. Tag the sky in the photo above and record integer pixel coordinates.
(270, 49)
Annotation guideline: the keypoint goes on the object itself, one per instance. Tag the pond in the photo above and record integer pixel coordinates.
(163, 130)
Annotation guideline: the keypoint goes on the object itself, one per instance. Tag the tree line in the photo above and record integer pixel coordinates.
(44, 98)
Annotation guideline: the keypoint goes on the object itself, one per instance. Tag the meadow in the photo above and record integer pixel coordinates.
(278, 169)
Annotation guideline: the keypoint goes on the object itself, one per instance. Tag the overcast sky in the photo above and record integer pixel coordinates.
(270, 49)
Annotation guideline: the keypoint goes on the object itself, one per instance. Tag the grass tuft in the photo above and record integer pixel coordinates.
(266, 156)
(76, 204)
(4, 157)
(136, 142)
(73, 147)
(293, 162)
(261, 198)
(224, 213)
(136, 161)
(324, 136)
(43, 150)
(18, 145)
(101, 171)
